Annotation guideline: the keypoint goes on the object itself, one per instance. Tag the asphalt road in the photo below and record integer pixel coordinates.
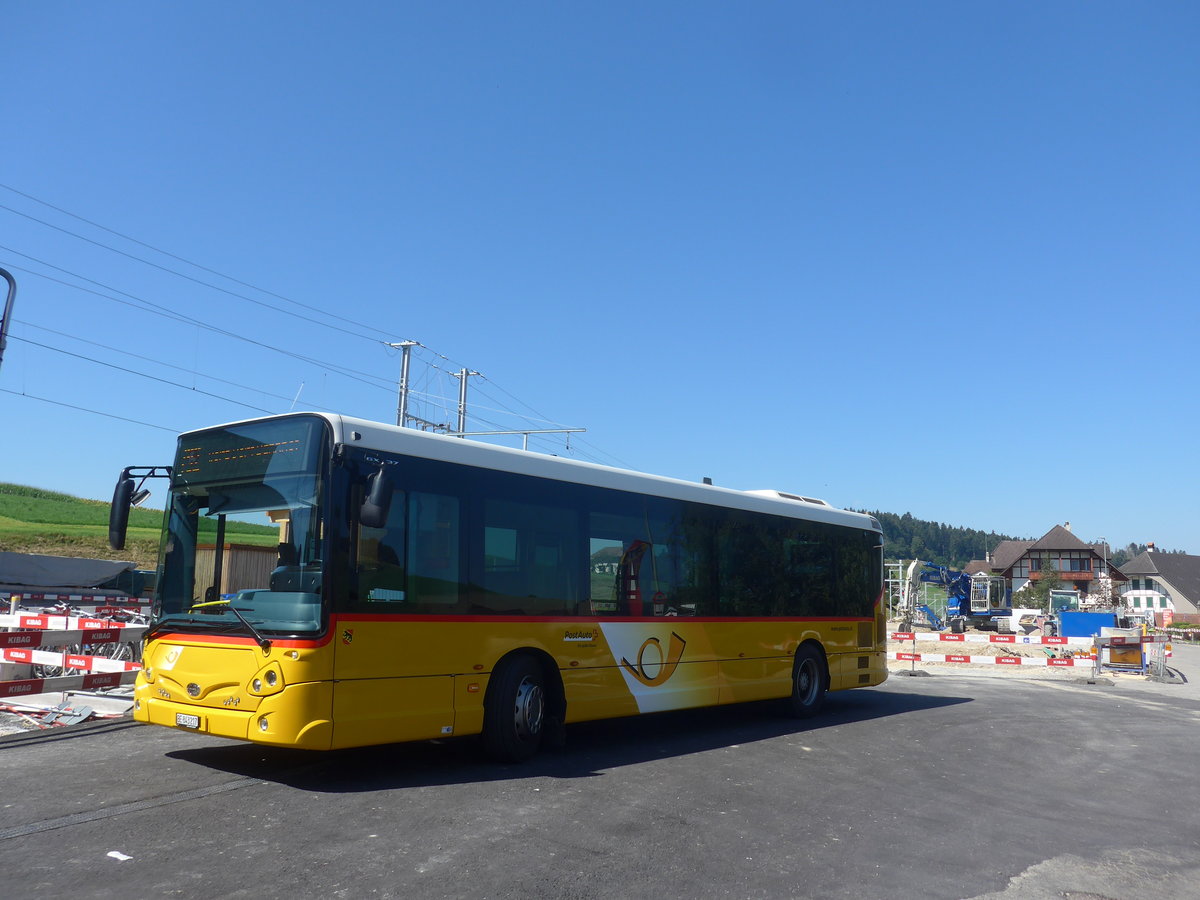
(947, 786)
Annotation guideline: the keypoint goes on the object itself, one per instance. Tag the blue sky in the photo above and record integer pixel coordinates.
(937, 257)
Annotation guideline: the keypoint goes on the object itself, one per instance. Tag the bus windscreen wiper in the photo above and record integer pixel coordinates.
(262, 642)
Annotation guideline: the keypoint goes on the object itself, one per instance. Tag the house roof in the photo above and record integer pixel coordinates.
(975, 566)
(1142, 564)
(1059, 538)
(1008, 552)
(1180, 570)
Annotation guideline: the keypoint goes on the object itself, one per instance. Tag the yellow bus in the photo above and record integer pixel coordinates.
(428, 586)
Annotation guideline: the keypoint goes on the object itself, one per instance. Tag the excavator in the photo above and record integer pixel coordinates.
(970, 599)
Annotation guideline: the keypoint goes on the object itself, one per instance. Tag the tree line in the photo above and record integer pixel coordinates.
(907, 537)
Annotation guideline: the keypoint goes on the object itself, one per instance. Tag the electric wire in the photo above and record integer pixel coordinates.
(438, 400)
(159, 310)
(181, 259)
(159, 362)
(530, 419)
(518, 400)
(99, 362)
(149, 306)
(105, 246)
(202, 283)
(85, 409)
(613, 460)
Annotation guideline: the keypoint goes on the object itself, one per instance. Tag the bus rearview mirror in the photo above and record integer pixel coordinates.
(118, 513)
(377, 501)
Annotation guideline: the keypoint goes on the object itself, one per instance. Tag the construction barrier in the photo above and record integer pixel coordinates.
(1095, 659)
(1051, 662)
(82, 599)
(80, 661)
(55, 622)
(949, 638)
(30, 686)
(1127, 640)
(74, 633)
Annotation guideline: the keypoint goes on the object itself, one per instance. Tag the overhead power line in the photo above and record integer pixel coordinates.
(157, 309)
(170, 255)
(178, 274)
(167, 381)
(85, 409)
(159, 362)
(230, 278)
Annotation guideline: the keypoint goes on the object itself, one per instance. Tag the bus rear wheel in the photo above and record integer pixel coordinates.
(514, 710)
(810, 681)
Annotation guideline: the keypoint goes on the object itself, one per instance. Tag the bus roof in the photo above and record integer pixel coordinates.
(369, 435)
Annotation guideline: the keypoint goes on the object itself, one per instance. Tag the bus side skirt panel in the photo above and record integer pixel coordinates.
(390, 710)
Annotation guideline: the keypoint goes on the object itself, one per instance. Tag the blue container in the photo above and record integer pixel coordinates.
(1084, 624)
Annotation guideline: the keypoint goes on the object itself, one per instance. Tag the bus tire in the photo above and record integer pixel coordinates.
(514, 710)
(810, 681)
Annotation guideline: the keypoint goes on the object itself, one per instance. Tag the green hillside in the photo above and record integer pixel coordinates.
(33, 520)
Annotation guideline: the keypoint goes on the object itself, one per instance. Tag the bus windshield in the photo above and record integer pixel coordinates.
(243, 539)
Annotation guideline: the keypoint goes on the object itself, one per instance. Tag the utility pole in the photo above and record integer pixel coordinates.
(405, 348)
(405, 420)
(462, 374)
(8, 307)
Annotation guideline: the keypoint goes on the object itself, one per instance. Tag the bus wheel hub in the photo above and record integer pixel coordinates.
(530, 703)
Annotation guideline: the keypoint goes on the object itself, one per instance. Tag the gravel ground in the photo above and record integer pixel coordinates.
(14, 724)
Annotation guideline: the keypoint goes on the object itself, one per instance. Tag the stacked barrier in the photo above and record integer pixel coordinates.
(28, 640)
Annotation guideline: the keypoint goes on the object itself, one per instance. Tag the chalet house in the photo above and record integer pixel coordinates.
(1175, 576)
(1082, 567)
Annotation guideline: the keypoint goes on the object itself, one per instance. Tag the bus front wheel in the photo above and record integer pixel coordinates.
(514, 710)
(810, 681)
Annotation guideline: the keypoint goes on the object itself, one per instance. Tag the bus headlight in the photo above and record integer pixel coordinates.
(266, 681)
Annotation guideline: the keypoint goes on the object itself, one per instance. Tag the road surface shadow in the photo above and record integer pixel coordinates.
(591, 748)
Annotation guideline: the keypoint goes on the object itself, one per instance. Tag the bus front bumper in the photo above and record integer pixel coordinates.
(298, 716)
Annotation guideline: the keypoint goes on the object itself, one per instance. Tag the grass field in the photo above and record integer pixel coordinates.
(33, 520)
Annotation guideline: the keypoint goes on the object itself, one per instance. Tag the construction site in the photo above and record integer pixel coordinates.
(942, 617)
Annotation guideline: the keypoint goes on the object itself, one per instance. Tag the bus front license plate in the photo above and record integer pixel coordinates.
(186, 720)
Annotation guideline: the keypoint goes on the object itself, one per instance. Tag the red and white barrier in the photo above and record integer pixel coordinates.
(77, 599)
(48, 622)
(37, 632)
(1065, 662)
(948, 638)
(1030, 640)
(64, 638)
(80, 661)
(30, 686)
(1056, 641)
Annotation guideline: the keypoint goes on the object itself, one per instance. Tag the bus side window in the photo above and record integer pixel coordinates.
(605, 559)
(529, 558)
(617, 545)
(635, 565)
(809, 568)
(381, 554)
(434, 554)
